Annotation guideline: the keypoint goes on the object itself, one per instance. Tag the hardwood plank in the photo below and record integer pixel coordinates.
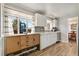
(59, 49)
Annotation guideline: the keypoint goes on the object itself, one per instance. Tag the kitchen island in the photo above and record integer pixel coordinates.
(48, 38)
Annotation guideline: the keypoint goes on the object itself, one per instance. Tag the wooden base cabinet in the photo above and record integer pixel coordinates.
(17, 43)
(36, 39)
(29, 41)
(12, 44)
(24, 42)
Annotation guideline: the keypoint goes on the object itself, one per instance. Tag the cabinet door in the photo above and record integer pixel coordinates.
(30, 41)
(24, 42)
(36, 39)
(12, 44)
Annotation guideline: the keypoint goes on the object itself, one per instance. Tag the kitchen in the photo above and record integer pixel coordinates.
(27, 30)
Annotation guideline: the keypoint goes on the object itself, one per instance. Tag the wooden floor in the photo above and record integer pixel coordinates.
(58, 49)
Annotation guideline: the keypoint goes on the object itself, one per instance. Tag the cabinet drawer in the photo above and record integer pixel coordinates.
(24, 42)
(30, 41)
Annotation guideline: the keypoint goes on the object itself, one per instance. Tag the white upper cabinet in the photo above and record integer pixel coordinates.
(40, 20)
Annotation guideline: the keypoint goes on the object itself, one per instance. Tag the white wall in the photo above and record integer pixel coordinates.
(0, 29)
(0, 20)
(78, 36)
(1, 46)
(1, 37)
(63, 27)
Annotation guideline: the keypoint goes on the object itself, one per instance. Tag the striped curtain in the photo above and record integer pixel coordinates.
(8, 28)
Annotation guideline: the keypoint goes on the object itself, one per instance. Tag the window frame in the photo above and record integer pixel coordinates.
(19, 25)
(18, 19)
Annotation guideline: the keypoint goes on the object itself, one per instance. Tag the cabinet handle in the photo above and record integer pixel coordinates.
(27, 41)
(18, 43)
(26, 37)
(33, 39)
(27, 45)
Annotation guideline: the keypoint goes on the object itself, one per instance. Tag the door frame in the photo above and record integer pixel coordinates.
(76, 35)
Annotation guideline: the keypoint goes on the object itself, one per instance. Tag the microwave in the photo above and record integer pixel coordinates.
(39, 29)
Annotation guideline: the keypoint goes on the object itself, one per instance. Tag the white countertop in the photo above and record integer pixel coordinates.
(20, 34)
(31, 33)
(47, 32)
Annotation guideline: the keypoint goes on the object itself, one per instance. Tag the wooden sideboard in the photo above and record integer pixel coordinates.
(18, 43)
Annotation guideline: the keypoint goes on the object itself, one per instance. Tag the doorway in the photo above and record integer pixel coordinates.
(72, 33)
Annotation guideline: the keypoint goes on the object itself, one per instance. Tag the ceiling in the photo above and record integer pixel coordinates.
(50, 9)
